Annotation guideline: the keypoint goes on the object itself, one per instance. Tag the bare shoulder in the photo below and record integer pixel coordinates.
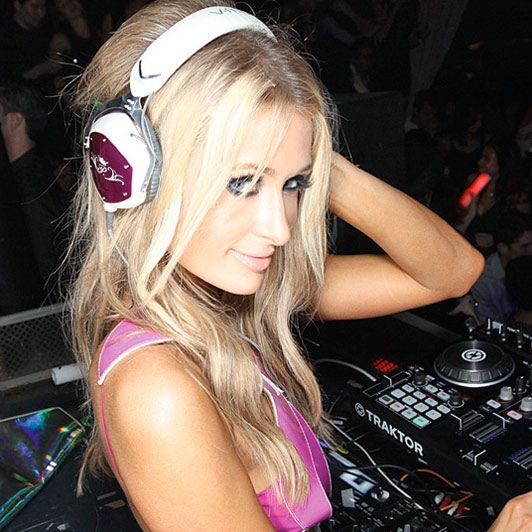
(174, 452)
(151, 391)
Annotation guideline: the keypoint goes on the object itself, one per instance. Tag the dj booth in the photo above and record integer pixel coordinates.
(433, 429)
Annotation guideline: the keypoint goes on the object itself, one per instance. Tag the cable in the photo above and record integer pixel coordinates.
(390, 481)
(347, 364)
(466, 494)
(338, 397)
(385, 476)
(438, 476)
(395, 466)
(109, 220)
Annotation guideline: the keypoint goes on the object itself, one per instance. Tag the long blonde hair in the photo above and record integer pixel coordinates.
(201, 115)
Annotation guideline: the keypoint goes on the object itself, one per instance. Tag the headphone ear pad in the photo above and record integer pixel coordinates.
(121, 160)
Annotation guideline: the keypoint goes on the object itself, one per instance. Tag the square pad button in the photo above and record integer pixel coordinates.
(444, 396)
(407, 388)
(397, 407)
(419, 395)
(398, 393)
(431, 402)
(409, 400)
(494, 404)
(409, 413)
(420, 422)
(514, 415)
(443, 409)
(385, 400)
(432, 414)
(431, 388)
(421, 407)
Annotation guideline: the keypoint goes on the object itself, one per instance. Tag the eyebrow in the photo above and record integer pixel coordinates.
(271, 171)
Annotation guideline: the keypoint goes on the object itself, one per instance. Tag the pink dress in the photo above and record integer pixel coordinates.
(127, 336)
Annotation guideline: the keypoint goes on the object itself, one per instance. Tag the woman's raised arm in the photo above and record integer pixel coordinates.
(426, 260)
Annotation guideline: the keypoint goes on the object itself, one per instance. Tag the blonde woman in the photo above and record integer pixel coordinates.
(205, 410)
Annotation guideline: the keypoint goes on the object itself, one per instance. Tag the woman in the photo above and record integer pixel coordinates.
(183, 304)
(499, 159)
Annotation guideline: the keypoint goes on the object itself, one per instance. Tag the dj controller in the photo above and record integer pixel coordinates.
(432, 431)
(463, 416)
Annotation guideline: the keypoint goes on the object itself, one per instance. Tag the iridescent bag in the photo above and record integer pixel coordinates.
(32, 446)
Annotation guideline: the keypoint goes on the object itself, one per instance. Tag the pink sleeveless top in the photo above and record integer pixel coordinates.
(127, 337)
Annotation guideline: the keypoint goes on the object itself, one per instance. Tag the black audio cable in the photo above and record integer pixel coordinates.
(376, 466)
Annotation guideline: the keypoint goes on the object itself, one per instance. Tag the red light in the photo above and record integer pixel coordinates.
(383, 365)
(474, 189)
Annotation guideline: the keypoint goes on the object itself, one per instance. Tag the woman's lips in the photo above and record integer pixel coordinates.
(253, 262)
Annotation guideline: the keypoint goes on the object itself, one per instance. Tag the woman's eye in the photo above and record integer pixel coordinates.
(239, 185)
(297, 183)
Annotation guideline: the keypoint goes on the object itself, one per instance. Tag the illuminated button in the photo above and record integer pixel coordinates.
(409, 413)
(420, 407)
(444, 396)
(431, 388)
(432, 414)
(385, 400)
(407, 388)
(443, 409)
(409, 400)
(397, 407)
(420, 421)
(494, 404)
(398, 394)
(419, 395)
(514, 415)
(431, 402)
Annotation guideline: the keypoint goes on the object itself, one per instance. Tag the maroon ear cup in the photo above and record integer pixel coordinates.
(111, 171)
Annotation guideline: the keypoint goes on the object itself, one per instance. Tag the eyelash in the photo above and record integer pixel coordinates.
(237, 185)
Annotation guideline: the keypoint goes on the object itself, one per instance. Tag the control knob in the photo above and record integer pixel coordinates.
(520, 385)
(456, 398)
(526, 404)
(380, 495)
(503, 333)
(420, 378)
(519, 339)
(506, 394)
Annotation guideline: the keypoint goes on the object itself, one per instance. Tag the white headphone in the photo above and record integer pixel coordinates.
(125, 155)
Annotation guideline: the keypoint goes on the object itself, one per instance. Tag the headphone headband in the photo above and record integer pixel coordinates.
(125, 155)
(180, 42)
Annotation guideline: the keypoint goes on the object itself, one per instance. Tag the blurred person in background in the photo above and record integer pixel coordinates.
(23, 118)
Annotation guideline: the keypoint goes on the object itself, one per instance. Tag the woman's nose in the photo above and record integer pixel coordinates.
(272, 220)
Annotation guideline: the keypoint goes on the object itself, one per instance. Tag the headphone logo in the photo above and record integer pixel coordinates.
(222, 10)
(105, 158)
(101, 166)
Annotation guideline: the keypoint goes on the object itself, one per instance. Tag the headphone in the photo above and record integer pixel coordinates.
(124, 152)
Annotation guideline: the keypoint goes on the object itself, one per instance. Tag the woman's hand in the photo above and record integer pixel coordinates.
(516, 516)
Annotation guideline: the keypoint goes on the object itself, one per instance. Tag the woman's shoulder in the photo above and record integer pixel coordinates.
(124, 339)
(149, 385)
(133, 356)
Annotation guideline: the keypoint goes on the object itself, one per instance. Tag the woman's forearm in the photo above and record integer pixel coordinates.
(417, 240)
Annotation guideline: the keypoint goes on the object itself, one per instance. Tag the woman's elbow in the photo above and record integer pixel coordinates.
(471, 267)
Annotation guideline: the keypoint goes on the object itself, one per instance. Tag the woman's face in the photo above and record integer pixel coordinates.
(488, 162)
(235, 243)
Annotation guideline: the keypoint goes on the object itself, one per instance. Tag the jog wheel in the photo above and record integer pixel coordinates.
(474, 364)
